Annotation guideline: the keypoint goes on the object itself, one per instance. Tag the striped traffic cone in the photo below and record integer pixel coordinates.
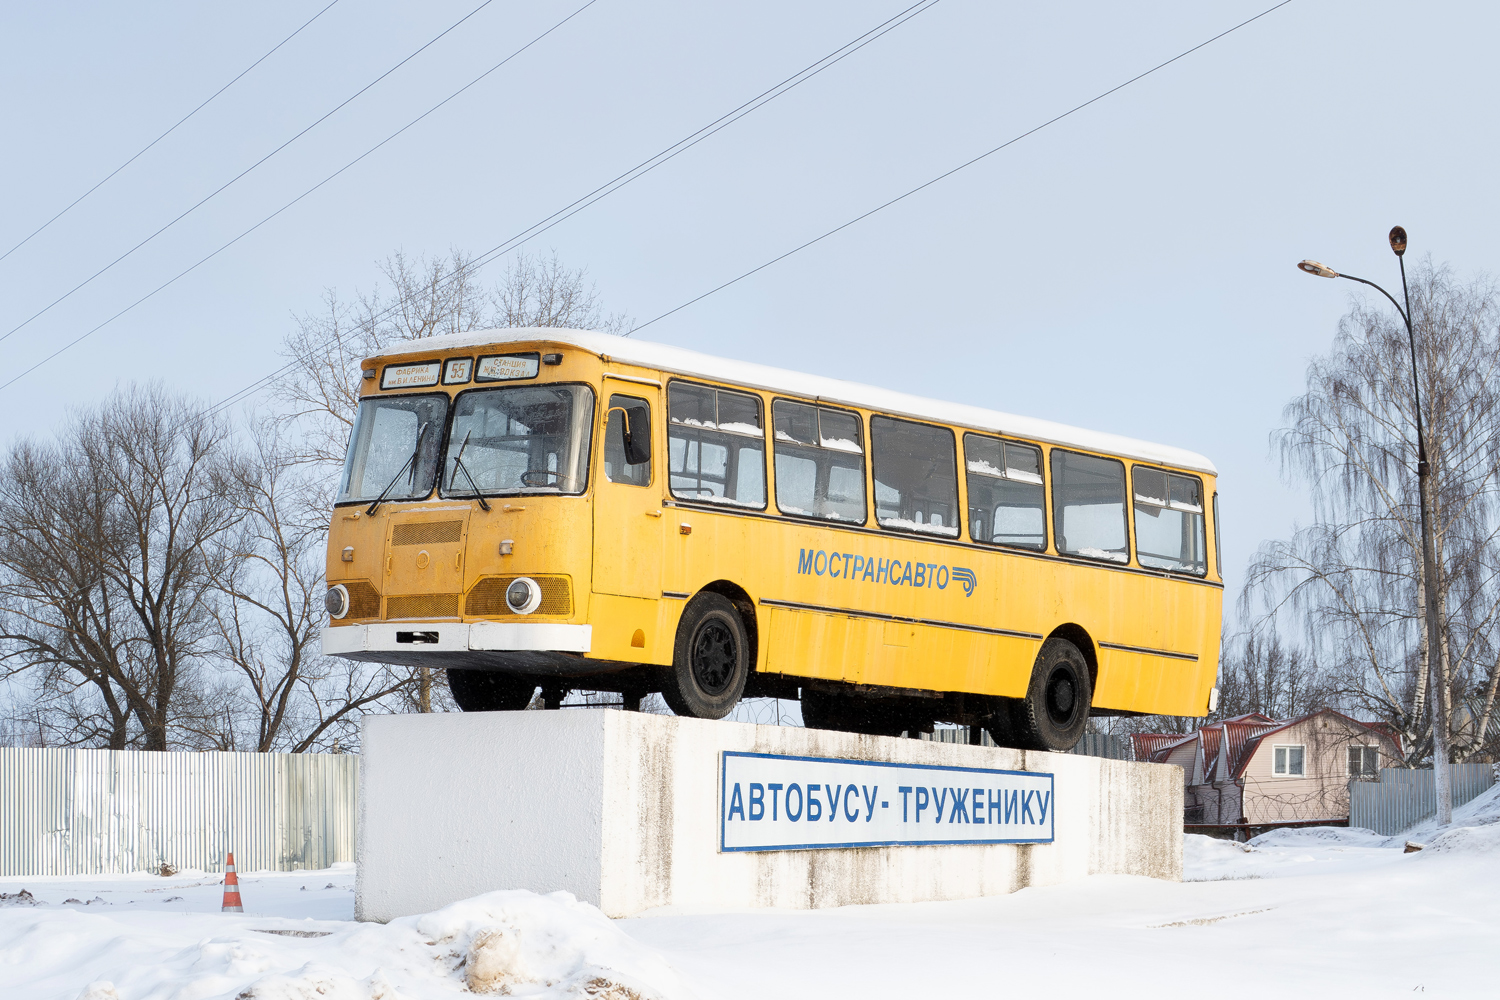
(231, 888)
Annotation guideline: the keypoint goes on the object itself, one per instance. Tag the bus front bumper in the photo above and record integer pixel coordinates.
(409, 639)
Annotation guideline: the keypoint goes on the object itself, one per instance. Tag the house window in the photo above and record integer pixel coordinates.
(1289, 761)
(1364, 763)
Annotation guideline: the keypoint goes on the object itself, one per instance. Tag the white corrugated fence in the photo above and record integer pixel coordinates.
(87, 812)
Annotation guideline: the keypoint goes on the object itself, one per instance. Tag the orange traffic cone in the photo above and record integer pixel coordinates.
(231, 888)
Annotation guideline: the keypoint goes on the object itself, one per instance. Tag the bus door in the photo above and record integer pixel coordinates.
(628, 534)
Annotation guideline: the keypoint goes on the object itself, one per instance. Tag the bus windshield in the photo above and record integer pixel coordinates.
(394, 448)
(532, 439)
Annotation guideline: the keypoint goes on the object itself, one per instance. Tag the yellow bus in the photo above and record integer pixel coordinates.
(577, 511)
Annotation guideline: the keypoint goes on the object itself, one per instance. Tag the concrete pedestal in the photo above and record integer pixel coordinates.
(627, 812)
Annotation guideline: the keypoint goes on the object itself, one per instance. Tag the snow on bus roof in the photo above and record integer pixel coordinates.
(682, 361)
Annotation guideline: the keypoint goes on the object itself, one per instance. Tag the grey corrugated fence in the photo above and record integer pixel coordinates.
(87, 812)
(1403, 798)
(1091, 745)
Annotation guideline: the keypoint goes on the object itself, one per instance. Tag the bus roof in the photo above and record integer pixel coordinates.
(681, 361)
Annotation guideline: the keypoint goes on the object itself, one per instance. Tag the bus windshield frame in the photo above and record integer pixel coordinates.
(555, 460)
(405, 456)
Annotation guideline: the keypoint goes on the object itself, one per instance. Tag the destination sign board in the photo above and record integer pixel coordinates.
(409, 376)
(770, 802)
(503, 367)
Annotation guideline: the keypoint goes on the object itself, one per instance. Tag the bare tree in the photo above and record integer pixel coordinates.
(421, 298)
(1260, 674)
(270, 575)
(104, 572)
(1354, 576)
(543, 292)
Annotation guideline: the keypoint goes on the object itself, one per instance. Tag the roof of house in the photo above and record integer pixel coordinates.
(1153, 747)
(665, 357)
(1254, 742)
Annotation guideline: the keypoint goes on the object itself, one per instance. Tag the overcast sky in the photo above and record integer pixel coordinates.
(1130, 268)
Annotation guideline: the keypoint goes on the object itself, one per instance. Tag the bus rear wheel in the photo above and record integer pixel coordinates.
(489, 690)
(711, 660)
(1055, 710)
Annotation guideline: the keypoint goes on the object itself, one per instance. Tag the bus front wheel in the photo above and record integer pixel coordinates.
(711, 661)
(1056, 707)
(489, 690)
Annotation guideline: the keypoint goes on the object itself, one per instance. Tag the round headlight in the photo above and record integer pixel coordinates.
(523, 596)
(336, 601)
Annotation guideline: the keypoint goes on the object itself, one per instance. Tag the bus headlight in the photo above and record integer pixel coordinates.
(336, 601)
(523, 596)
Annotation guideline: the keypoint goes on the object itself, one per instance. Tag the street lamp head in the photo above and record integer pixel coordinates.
(1321, 270)
(1398, 240)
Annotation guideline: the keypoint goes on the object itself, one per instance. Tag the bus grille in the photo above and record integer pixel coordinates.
(422, 606)
(487, 598)
(364, 600)
(426, 532)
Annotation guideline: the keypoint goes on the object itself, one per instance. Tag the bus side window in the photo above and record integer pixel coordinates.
(820, 462)
(1088, 506)
(716, 445)
(616, 469)
(1169, 530)
(1006, 500)
(916, 477)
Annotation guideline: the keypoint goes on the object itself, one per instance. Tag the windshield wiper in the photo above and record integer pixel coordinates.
(410, 462)
(458, 465)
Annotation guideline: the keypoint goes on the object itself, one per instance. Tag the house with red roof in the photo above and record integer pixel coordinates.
(1252, 770)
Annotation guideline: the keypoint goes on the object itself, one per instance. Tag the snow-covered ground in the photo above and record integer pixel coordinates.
(1305, 913)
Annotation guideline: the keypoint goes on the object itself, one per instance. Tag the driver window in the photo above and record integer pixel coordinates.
(616, 470)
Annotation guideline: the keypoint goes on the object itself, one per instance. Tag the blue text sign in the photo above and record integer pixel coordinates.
(769, 802)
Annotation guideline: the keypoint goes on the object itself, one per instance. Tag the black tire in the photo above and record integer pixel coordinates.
(1055, 710)
(711, 661)
(489, 690)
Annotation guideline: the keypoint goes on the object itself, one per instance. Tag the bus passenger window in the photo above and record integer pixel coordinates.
(1006, 500)
(716, 445)
(916, 478)
(1169, 530)
(820, 462)
(616, 469)
(1088, 506)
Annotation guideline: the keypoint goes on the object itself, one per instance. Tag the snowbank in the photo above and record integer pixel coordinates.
(516, 943)
(1320, 836)
(1482, 810)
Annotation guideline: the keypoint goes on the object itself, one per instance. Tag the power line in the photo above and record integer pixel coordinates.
(247, 170)
(949, 173)
(567, 211)
(634, 173)
(146, 148)
(193, 267)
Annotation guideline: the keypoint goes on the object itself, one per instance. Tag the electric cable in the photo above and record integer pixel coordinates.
(613, 185)
(634, 173)
(949, 173)
(146, 148)
(242, 173)
(193, 267)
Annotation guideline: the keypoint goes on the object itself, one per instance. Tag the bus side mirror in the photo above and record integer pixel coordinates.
(637, 435)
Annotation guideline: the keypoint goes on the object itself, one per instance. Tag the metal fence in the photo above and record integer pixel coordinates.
(1402, 798)
(86, 812)
(1091, 745)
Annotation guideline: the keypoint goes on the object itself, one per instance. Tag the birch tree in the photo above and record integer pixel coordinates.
(1353, 577)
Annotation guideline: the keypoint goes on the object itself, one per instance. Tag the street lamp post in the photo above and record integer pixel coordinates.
(1436, 675)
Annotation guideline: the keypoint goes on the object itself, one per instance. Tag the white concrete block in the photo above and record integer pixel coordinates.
(623, 810)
